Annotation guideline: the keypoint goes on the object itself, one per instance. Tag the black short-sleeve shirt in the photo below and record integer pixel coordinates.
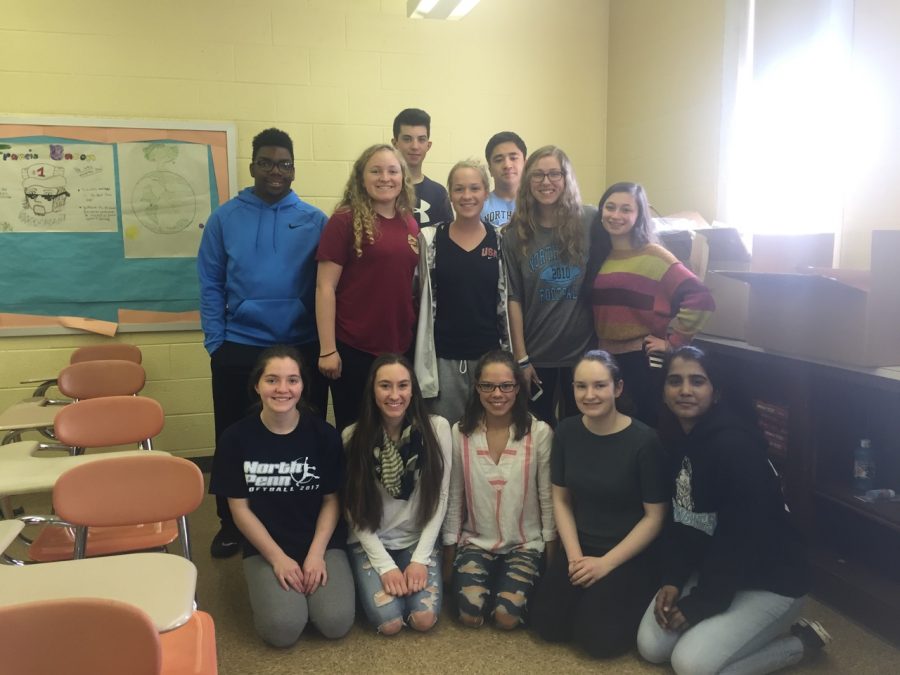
(465, 284)
(609, 478)
(283, 477)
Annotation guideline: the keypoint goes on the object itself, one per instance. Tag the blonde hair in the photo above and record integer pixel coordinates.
(470, 163)
(568, 213)
(358, 202)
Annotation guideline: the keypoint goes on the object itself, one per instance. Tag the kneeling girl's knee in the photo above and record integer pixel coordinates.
(423, 620)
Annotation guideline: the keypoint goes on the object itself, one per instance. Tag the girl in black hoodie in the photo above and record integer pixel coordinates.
(734, 570)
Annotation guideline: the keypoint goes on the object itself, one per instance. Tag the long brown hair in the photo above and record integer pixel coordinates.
(361, 495)
(568, 212)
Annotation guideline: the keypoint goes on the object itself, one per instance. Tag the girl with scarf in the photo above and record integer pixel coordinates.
(398, 475)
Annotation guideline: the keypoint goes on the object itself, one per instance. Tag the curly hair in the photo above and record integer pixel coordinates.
(568, 212)
(358, 202)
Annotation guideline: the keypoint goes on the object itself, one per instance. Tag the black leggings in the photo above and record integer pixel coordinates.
(642, 395)
(602, 619)
(558, 393)
(347, 391)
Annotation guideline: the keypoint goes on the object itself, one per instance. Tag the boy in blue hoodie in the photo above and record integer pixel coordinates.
(257, 272)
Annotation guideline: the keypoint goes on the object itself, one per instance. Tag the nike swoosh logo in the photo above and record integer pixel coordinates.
(294, 225)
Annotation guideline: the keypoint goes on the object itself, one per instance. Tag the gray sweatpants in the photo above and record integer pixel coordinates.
(280, 616)
(457, 381)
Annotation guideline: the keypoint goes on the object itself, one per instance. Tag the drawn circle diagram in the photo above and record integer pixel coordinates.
(164, 202)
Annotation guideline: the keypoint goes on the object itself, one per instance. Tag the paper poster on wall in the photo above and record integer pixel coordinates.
(57, 187)
(165, 198)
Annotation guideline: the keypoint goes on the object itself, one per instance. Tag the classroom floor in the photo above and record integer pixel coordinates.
(449, 647)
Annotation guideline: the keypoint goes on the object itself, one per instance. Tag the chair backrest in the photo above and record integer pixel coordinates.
(128, 490)
(78, 636)
(92, 379)
(107, 421)
(113, 350)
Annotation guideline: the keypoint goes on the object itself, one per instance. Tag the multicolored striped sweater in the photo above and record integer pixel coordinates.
(647, 292)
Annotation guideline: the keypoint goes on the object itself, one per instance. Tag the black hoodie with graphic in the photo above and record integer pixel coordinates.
(729, 521)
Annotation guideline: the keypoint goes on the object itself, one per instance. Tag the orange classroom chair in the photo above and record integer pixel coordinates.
(116, 351)
(92, 636)
(121, 504)
(83, 380)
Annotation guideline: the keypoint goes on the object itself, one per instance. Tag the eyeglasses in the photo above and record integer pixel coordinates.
(537, 177)
(488, 387)
(48, 197)
(285, 165)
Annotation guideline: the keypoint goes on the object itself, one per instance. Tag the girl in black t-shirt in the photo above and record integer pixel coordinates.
(462, 309)
(281, 471)
(609, 501)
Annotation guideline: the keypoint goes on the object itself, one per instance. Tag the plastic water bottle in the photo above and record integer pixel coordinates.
(864, 466)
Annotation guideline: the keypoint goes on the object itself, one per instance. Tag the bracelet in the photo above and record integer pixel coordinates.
(322, 356)
(524, 361)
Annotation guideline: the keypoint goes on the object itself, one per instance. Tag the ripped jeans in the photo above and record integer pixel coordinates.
(492, 583)
(381, 608)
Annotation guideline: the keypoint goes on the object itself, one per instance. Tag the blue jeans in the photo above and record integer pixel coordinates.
(748, 637)
(381, 608)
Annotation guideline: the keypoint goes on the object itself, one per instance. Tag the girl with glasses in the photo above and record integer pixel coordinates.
(398, 474)
(545, 250)
(500, 514)
(610, 500)
(462, 310)
(364, 287)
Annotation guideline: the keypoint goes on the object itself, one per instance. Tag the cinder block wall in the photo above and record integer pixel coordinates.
(333, 73)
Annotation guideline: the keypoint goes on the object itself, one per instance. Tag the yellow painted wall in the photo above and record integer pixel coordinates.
(333, 73)
(665, 99)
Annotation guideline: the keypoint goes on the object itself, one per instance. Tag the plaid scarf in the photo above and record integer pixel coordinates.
(397, 465)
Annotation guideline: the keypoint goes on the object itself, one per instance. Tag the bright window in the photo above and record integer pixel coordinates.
(791, 116)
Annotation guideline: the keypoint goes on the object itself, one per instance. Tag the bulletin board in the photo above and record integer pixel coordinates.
(100, 220)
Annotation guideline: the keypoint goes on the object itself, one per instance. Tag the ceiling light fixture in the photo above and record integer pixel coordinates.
(439, 9)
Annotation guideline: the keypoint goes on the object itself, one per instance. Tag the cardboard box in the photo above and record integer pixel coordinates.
(842, 316)
(717, 250)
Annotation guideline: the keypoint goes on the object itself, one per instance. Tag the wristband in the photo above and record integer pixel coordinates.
(322, 356)
(524, 361)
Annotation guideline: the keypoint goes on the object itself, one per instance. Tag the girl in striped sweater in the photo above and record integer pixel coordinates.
(645, 302)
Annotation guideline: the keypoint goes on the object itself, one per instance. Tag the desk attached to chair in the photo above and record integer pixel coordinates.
(23, 471)
(161, 584)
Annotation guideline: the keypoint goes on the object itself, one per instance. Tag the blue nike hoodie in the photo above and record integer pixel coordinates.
(257, 271)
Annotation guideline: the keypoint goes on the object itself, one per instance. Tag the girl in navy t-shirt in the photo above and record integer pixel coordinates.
(281, 470)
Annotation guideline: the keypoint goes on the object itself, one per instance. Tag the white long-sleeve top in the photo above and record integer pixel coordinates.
(503, 506)
(398, 528)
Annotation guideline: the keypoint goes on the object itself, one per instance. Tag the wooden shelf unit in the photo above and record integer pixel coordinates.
(854, 545)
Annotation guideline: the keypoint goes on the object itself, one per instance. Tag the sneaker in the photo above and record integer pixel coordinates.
(226, 543)
(812, 634)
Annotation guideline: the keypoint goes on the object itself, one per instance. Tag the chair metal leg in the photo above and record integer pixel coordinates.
(11, 436)
(81, 533)
(184, 536)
